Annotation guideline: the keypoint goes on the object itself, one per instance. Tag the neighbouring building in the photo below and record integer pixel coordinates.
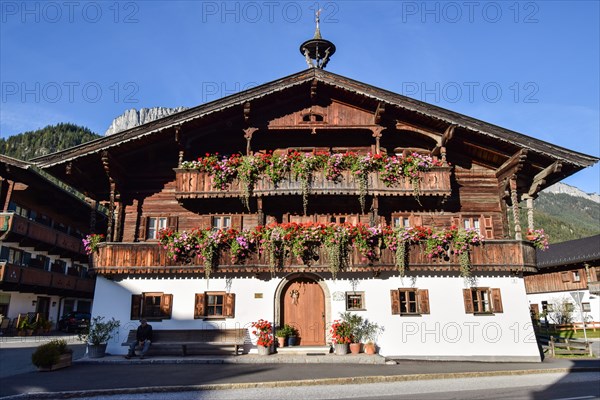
(43, 263)
(567, 282)
(475, 175)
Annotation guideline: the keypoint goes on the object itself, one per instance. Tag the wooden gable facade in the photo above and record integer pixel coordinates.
(479, 175)
(485, 172)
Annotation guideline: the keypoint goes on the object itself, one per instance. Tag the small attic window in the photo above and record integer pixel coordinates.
(312, 118)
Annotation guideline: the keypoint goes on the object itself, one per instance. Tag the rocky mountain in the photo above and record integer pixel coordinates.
(573, 191)
(132, 118)
(49, 139)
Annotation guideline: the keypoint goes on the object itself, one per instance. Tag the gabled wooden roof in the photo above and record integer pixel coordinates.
(548, 163)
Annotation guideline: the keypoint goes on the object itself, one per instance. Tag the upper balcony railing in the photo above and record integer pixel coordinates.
(150, 258)
(41, 279)
(194, 184)
(14, 227)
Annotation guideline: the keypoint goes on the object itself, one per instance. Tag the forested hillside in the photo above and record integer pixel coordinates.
(564, 217)
(50, 139)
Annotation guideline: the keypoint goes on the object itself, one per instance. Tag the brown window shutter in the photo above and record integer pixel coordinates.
(456, 222)
(136, 303)
(206, 221)
(172, 223)
(565, 276)
(417, 220)
(423, 296)
(166, 305)
(236, 221)
(496, 301)
(199, 306)
(488, 227)
(229, 305)
(395, 297)
(467, 293)
(142, 232)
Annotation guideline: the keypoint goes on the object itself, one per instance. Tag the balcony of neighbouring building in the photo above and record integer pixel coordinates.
(28, 233)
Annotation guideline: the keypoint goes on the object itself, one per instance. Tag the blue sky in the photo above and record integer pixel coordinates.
(532, 67)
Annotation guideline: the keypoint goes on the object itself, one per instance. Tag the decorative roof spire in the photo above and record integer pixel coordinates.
(317, 50)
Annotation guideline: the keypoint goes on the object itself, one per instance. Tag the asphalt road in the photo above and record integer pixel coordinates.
(582, 386)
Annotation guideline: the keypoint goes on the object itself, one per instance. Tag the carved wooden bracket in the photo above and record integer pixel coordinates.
(379, 113)
(513, 165)
(539, 180)
(377, 135)
(247, 111)
(313, 90)
(248, 132)
(423, 131)
(440, 149)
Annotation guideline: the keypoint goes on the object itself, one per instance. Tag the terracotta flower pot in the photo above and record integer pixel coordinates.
(281, 341)
(355, 348)
(370, 348)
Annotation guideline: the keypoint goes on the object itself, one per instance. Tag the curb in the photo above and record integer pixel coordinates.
(305, 382)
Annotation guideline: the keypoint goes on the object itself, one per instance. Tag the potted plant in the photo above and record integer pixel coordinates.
(264, 331)
(98, 335)
(292, 335)
(538, 237)
(52, 355)
(370, 331)
(355, 322)
(281, 335)
(341, 335)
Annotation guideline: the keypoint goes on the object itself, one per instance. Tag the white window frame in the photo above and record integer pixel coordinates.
(155, 224)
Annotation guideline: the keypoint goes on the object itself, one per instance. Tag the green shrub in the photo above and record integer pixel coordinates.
(47, 354)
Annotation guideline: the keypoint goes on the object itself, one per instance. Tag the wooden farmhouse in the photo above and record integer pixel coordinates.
(43, 264)
(313, 195)
(566, 268)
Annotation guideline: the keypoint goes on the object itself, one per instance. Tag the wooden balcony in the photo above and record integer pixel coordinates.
(192, 184)
(150, 258)
(25, 278)
(15, 228)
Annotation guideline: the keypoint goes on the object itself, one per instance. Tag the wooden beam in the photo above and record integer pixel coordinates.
(513, 165)
(423, 131)
(248, 132)
(247, 110)
(313, 90)
(540, 179)
(440, 149)
(379, 113)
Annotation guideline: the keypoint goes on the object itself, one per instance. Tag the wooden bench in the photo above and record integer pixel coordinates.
(212, 338)
(569, 346)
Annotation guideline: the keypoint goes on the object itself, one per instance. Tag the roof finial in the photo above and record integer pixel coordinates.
(318, 30)
(317, 50)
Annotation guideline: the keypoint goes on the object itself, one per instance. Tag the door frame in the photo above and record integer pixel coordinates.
(305, 275)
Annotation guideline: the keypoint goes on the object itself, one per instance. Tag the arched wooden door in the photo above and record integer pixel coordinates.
(303, 307)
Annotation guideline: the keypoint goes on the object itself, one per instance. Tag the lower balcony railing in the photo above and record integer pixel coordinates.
(150, 258)
(28, 276)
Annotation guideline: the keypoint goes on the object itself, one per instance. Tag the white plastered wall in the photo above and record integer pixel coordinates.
(553, 297)
(446, 333)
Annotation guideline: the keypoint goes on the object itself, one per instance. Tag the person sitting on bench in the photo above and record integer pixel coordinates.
(143, 339)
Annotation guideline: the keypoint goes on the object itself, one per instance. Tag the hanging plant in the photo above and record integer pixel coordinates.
(248, 171)
(337, 243)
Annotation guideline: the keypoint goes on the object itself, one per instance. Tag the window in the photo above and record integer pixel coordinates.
(155, 224)
(152, 306)
(471, 223)
(15, 256)
(58, 266)
(403, 222)
(576, 276)
(586, 307)
(214, 305)
(410, 301)
(482, 301)
(222, 222)
(355, 301)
